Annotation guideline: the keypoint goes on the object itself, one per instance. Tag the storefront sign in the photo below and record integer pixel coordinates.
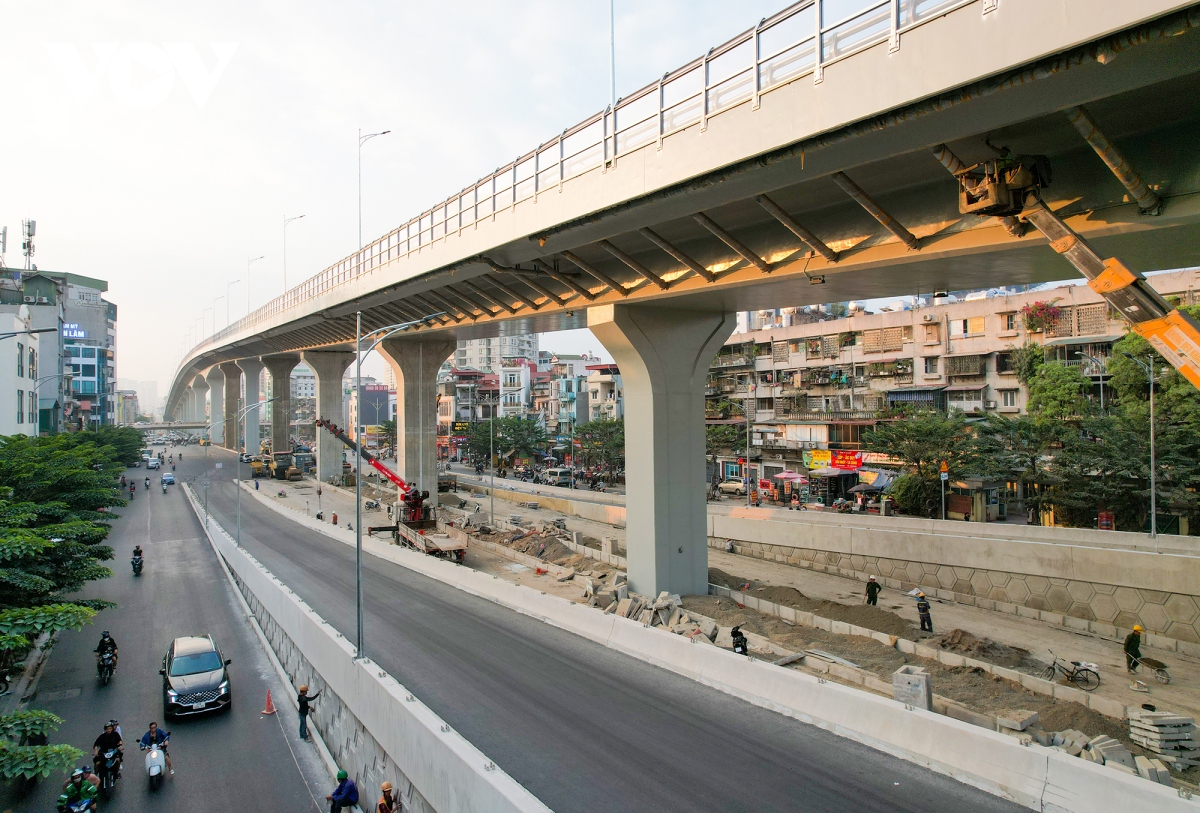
(461, 427)
(70, 330)
(832, 458)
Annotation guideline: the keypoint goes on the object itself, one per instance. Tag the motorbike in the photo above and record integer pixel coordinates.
(164, 485)
(147, 483)
(81, 806)
(136, 562)
(372, 505)
(740, 646)
(109, 773)
(106, 667)
(155, 764)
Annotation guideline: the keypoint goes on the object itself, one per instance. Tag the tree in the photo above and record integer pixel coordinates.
(1027, 360)
(1018, 449)
(923, 441)
(602, 442)
(17, 759)
(514, 437)
(1056, 393)
(724, 438)
(388, 428)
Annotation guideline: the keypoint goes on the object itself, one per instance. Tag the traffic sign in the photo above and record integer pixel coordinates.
(944, 468)
(945, 477)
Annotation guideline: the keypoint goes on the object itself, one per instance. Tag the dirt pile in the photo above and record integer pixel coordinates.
(984, 649)
(861, 615)
(545, 546)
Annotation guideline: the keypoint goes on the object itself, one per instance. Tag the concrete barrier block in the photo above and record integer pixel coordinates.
(1078, 624)
(906, 646)
(963, 598)
(768, 607)
(985, 603)
(881, 637)
(839, 628)
(1005, 607)
(1028, 612)
(922, 651)
(1007, 674)
(1107, 706)
(1052, 618)
(846, 673)
(1101, 628)
(950, 659)
(1036, 684)
(822, 623)
(787, 613)
(805, 619)
(750, 602)
(967, 716)
(1160, 642)
(1188, 648)
(983, 666)
(1064, 692)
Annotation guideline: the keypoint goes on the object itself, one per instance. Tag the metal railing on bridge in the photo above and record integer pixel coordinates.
(779, 50)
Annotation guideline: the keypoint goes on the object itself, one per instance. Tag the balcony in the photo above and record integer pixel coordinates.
(735, 360)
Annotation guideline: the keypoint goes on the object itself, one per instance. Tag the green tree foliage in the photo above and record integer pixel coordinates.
(1057, 393)
(36, 760)
(514, 437)
(1027, 360)
(602, 442)
(389, 432)
(923, 440)
(724, 438)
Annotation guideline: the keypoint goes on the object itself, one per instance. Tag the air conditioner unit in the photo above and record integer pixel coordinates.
(989, 404)
(29, 300)
(927, 317)
(41, 300)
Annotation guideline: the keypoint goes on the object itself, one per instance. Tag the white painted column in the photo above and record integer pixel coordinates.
(216, 405)
(252, 368)
(280, 369)
(664, 355)
(329, 367)
(416, 363)
(233, 405)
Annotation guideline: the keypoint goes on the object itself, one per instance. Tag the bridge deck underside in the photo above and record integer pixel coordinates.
(711, 244)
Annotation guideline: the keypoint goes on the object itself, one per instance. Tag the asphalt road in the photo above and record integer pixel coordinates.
(238, 760)
(582, 727)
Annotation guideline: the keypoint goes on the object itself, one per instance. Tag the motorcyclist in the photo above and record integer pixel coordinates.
(107, 644)
(147, 483)
(157, 736)
(107, 741)
(137, 551)
(81, 786)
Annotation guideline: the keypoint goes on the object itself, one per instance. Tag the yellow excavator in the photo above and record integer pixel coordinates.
(1008, 187)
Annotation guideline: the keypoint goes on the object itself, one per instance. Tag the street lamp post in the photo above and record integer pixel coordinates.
(1148, 369)
(249, 262)
(286, 221)
(241, 418)
(227, 298)
(358, 441)
(363, 139)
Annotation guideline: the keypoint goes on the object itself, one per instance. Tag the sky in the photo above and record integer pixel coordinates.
(160, 146)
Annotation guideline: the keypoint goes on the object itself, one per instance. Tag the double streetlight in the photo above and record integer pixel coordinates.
(249, 262)
(362, 139)
(383, 333)
(1148, 369)
(286, 221)
(227, 298)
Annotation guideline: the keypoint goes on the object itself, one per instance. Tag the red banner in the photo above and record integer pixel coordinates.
(842, 459)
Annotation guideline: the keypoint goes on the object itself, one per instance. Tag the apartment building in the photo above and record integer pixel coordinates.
(818, 386)
(488, 355)
(18, 376)
(606, 394)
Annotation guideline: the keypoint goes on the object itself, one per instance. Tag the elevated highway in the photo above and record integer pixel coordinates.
(803, 161)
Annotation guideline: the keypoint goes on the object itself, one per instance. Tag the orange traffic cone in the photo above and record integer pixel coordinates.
(270, 709)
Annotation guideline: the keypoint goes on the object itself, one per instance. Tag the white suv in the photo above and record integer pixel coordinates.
(153, 463)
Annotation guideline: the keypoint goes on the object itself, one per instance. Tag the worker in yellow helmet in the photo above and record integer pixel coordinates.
(1133, 648)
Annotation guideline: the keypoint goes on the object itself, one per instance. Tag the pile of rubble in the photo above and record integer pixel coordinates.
(1103, 750)
(1170, 735)
(613, 596)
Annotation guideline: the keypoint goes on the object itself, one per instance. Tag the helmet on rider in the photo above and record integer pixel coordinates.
(77, 775)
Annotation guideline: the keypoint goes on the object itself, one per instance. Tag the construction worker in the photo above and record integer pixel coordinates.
(923, 613)
(303, 698)
(1133, 648)
(873, 589)
(344, 796)
(387, 802)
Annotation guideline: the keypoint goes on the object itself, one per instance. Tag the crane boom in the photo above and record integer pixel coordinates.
(399, 482)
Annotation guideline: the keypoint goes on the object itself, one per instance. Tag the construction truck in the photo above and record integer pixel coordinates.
(284, 468)
(257, 467)
(1009, 187)
(416, 522)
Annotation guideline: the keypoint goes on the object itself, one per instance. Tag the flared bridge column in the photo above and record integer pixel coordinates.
(199, 399)
(233, 405)
(216, 405)
(663, 355)
(329, 366)
(416, 363)
(252, 369)
(280, 369)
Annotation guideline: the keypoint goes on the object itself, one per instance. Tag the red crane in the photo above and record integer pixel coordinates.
(413, 498)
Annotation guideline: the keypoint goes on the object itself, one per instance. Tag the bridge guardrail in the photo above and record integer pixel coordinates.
(799, 41)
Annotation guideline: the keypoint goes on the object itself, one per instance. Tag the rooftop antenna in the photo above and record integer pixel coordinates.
(29, 227)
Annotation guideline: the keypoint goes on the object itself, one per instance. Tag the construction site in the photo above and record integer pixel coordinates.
(1010, 672)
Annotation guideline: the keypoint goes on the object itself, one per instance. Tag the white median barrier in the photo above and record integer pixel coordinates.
(450, 773)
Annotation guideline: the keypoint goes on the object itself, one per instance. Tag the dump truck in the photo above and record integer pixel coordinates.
(284, 468)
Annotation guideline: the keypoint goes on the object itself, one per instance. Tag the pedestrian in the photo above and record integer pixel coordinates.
(345, 795)
(923, 612)
(387, 802)
(873, 589)
(1133, 648)
(303, 699)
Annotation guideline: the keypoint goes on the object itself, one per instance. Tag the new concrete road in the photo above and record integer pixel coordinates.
(582, 727)
(238, 760)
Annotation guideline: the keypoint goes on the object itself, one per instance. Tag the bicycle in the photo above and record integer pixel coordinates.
(1082, 674)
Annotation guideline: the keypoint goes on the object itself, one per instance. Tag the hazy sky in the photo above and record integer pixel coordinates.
(160, 145)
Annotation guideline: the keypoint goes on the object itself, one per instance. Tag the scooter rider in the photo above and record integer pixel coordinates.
(81, 786)
(107, 644)
(156, 736)
(147, 483)
(111, 738)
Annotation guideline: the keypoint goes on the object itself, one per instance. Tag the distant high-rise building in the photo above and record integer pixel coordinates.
(489, 355)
